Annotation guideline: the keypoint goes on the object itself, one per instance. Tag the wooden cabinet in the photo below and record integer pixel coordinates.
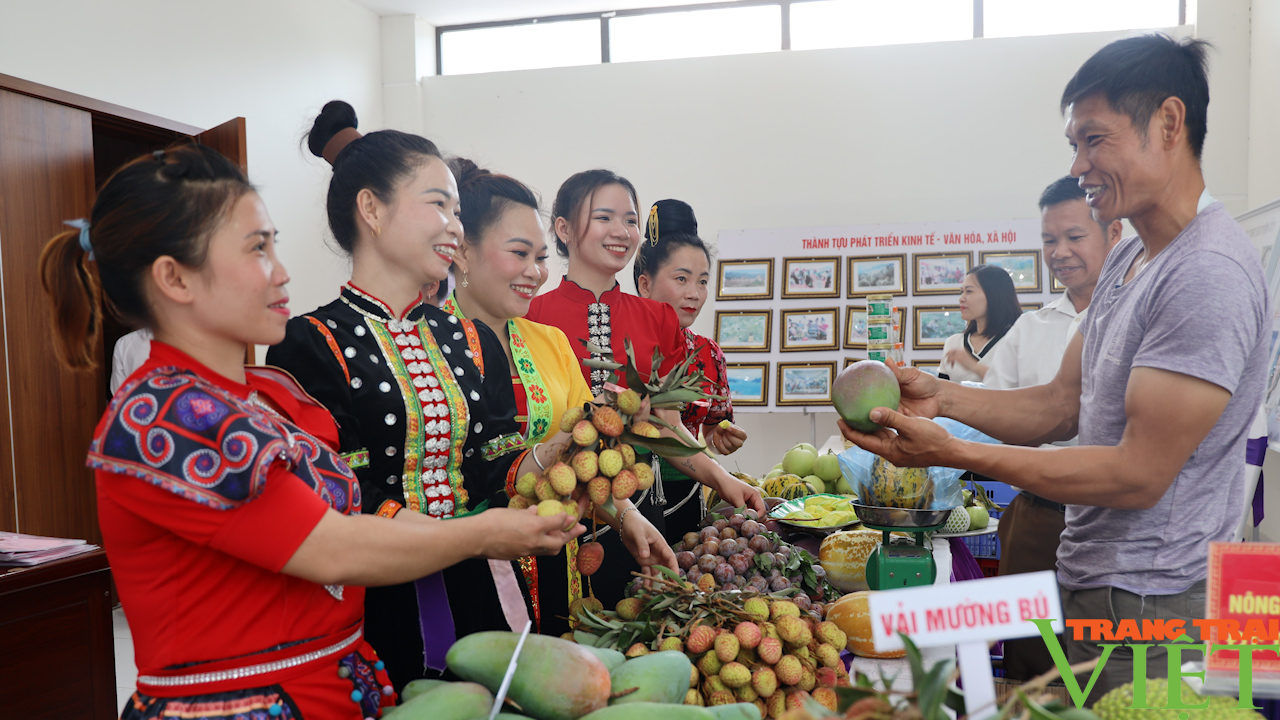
(56, 640)
(56, 149)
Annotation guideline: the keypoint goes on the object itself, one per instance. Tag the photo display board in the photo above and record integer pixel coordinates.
(791, 303)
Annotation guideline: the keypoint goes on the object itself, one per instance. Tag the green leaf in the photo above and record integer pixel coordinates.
(600, 364)
(913, 659)
(585, 638)
(847, 696)
(668, 573)
(662, 446)
(675, 396)
(955, 701)
(933, 691)
(611, 624)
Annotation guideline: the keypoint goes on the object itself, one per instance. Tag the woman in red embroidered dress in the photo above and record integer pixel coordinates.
(596, 227)
(233, 529)
(673, 266)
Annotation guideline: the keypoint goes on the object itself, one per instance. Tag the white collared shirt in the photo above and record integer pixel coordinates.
(1031, 353)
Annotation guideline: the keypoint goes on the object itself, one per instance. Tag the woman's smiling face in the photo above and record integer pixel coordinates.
(607, 232)
(506, 267)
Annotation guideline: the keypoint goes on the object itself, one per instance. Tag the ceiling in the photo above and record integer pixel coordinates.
(461, 12)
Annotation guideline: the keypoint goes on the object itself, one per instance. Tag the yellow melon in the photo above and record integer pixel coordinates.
(851, 614)
(844, 556)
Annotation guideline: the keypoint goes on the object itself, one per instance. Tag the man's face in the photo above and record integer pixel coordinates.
(1123, 172)
(1075, 246)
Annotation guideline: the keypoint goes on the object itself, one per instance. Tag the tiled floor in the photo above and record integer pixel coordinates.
(126, 673)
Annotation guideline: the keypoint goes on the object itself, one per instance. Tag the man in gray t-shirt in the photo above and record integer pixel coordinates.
(1162, 381)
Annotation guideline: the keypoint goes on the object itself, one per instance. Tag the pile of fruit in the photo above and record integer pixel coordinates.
(734, 550)
(824, 511)
(895, 487)
(803, 465)
(975, 514)
(743, 646)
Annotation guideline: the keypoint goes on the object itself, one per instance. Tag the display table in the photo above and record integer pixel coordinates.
(56, 640)
(899, 671)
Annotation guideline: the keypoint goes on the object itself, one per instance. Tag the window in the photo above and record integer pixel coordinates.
(696, 33)
(520, 47)
(1011, 18)
(857, 23)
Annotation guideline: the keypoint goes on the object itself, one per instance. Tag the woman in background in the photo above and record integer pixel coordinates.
(989, 303)
(233, 529)
(499, 267)
(673, 266)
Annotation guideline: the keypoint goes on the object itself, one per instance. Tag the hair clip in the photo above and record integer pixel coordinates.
(83, 226)
(653, 225)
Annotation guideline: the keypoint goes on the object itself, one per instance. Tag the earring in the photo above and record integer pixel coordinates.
(465, 281)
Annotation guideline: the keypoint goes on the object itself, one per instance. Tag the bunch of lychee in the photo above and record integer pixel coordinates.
(598, 464)
(775, 660)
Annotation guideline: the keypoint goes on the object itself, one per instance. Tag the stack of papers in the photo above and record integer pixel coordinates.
(18, 550)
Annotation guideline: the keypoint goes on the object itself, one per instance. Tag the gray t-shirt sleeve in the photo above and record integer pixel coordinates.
(1203, 319)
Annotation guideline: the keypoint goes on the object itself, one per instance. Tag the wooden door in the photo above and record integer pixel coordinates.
(230, 140)
(47, 414)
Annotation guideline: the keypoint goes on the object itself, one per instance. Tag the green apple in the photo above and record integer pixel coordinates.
(799, 461)
(979, 518)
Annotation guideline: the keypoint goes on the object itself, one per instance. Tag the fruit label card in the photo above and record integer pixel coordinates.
(1244, 599)
(998, 608)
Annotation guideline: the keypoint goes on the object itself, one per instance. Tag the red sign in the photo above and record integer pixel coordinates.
(1243, 603)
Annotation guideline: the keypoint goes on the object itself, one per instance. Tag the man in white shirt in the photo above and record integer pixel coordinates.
(1075, 248)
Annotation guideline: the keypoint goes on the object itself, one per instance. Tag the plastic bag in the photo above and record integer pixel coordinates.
(943, 491)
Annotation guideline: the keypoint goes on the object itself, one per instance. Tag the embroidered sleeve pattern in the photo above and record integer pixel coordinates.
(389, 508)
(177, 432)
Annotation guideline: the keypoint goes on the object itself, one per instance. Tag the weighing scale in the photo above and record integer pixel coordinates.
(896, 566)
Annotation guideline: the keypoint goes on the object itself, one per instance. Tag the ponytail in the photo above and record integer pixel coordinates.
(71, 281)
(163, 204)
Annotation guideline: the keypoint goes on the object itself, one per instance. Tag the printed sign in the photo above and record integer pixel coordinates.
(1243, 604)
(999, 608)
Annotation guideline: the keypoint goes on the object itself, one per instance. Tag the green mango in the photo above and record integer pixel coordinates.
(451, 701)
(736, 711)
(611, 658)
(554, 679)
(417, 687)
(661, 677)
(649, 711)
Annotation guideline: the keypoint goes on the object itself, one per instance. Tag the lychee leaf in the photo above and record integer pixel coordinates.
(669, 573)
(662, 446)
(611, 624)
(600, 364)
(585, 638)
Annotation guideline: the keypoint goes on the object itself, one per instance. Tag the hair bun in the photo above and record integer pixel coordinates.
(674, 217)
(466, 171)
(336, 116)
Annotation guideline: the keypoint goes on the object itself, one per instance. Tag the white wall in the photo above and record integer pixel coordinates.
(274, 62)
(944, 131)
(1264, 108)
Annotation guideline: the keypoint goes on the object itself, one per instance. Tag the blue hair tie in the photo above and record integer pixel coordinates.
(83, 225)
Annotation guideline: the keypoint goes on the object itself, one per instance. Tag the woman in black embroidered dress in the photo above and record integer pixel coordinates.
(431, 432)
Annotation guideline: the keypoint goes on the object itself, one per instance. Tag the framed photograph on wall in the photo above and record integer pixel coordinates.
(929, 366)
(807, 330)
(885, 274)
(744, 330)
(805, 383)
(1031, 307)
(939, 273)
(811, 277)
(1023, 267)
(855, 326)
(933, 325)
(1055, 286)
(748, 383)
(745, 280)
